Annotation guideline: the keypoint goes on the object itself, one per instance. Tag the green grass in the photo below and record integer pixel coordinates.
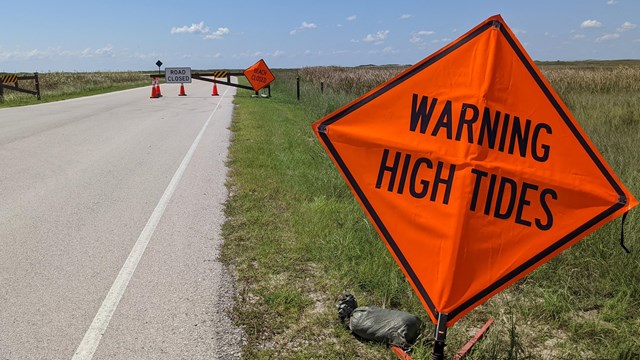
(297, 238)
(287, 214)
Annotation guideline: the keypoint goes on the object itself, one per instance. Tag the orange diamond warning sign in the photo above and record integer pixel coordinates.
(472, 169)
(259, 75)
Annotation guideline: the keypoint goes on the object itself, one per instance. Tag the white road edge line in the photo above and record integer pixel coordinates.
(94, 334)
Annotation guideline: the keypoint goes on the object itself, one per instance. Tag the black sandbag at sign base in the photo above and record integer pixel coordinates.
(387, 326)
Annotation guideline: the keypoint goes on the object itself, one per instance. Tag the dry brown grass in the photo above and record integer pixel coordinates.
(62, 85)
(356, 80)
(594, 80)
(576, 77)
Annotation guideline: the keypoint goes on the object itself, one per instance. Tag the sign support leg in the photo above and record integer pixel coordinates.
(440, 337)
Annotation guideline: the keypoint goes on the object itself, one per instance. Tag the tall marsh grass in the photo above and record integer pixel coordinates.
(349, 80)
(598, 80)
(64, 85)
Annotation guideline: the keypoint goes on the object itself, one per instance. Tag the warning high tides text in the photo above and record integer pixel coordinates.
(494, 194)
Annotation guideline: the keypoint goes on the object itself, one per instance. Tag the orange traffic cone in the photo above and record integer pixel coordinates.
(158, 88)
(214, 91)
(154, 91)
(182, 93)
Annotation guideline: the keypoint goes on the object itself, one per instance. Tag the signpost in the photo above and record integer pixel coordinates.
(472, 170)
(177, 75)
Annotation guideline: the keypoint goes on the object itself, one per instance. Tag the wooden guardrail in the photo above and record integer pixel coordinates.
(7, 79)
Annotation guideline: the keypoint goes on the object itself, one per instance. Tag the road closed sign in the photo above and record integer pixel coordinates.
(259, 75)
(177, 75)
(472, 169)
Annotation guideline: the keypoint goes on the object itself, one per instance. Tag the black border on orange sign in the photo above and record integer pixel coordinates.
(494, 21)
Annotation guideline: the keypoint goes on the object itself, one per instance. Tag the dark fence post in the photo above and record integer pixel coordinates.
(35, 75)
(1, 92)
(298, 87)
(322, 87)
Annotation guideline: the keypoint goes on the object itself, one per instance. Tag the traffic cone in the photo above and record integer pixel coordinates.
(182, 93)
(158, 92)
(154, 91)
(214, 91)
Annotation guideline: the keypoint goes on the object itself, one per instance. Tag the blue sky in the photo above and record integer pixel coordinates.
(88, 35)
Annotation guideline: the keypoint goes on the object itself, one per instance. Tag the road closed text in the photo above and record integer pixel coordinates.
(178, 75)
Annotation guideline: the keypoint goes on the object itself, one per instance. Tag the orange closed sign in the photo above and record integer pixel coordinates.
(259, 75)
(472, 169)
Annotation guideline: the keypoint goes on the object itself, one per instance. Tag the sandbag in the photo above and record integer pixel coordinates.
(390, 327)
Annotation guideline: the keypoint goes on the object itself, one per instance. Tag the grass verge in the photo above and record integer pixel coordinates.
(297, 238)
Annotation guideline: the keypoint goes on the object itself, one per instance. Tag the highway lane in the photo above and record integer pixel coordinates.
(79, 181)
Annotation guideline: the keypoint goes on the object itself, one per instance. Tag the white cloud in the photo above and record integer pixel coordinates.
(443, 40)
(218, 34)
(519, 31)
(194, 28)
(352, 18)
(626, 26)
(248, 54)
(305, 25)
(591, 24)
(418, 37)
(344, 52)
(579, 36)
(608, 37)
(138, 55)
(377, 38)
(390, 50)
(201, 28)
(49, 53)
(611, 2)
(18, 55)
(405, 16)
(313, 53)
(106, 51)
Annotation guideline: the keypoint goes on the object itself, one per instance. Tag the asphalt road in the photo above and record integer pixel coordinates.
(110, 216)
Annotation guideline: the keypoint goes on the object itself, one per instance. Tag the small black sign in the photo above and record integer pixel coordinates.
(159, 63)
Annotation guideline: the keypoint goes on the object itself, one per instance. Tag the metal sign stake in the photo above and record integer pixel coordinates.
(440, 337)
